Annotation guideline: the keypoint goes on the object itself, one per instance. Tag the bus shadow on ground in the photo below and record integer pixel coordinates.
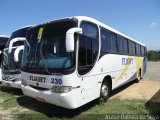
(153, 105)
(11, 90)
(118, 90)
(55, 111)
(50, 110)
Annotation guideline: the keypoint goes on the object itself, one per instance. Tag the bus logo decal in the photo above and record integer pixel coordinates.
(127, 61)
(38, 79)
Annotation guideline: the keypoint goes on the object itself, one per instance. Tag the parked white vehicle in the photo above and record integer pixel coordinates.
(11, 68)
(72, 61)
(3, 41)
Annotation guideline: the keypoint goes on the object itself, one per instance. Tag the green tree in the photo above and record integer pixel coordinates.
(153, 55)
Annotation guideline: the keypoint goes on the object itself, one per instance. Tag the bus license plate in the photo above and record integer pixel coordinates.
(40, 99)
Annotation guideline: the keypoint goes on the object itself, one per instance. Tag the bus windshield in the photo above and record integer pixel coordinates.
(48, 54)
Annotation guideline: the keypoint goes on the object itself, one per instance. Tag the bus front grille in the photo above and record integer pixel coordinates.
(39, 88)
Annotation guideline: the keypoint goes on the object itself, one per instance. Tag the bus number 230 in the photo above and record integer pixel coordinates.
(56, 81)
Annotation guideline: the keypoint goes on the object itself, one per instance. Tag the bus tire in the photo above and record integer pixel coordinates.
(105, 91)
(139, 76)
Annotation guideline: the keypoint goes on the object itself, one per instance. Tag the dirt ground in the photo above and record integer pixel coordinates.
(153, 71)
(148, 88)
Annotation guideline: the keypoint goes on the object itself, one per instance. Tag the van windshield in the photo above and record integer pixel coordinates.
(9, 66)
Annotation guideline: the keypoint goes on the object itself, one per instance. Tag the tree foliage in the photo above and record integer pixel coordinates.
(153, 55)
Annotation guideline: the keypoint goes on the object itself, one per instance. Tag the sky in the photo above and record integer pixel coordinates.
(139, 19)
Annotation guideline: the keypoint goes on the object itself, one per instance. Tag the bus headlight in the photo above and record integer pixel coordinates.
(61, 89)
(23, 82)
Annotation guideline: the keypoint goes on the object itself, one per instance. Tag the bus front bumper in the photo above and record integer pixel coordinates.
(67, 100)
(14, 84)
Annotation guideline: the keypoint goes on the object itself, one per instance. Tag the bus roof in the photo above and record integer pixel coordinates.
(81, 18)
(3, 40)
(85, 18)
(28, 26)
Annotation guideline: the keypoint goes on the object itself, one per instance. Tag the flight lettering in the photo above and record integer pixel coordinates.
(38, 79)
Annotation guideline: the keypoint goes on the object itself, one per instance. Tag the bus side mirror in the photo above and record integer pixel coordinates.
(16, 53)
(13, 41)
(70, 38)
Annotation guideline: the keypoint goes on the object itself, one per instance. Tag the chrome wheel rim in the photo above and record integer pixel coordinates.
(104, 91)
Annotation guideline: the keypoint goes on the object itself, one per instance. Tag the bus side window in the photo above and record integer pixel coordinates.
(130, 47)
(125, 46)
(142, 51)
(90, 30)
(113, 40)
(120, 45)
(134, 48)
(145, 51)
(138, 49)
(88, 47)
(105, 42)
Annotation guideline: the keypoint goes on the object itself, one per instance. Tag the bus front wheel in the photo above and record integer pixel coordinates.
(105, 91)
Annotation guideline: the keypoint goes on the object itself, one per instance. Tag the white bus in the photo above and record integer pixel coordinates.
(3, 41)
(72, 61)
(11, 68)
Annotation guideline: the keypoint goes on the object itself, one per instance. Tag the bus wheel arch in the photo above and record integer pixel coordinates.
(140, 73)
(105, 89)
(139, 77)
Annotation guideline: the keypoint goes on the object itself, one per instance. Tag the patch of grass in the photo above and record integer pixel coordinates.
(8, 98)
(4, 95)
(26, 108)
(153, 107)
(10, 91)
(116, 106)
(91, 110)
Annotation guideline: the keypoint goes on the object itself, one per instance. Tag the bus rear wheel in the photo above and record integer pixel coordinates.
(105, 91)
(139, 76)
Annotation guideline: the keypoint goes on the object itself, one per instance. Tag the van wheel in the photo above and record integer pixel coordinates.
(139, 76)
(105, 91)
